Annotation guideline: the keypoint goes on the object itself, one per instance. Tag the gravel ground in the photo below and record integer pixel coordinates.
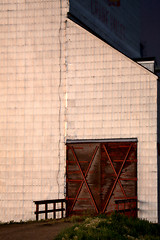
(35, 231)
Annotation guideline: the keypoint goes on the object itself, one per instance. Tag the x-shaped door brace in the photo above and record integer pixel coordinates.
(117, 175)
(84, 178)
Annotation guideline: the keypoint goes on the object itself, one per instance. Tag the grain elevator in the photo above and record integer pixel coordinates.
(79, 117)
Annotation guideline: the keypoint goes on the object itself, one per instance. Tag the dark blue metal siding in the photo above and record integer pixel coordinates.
(118, 24)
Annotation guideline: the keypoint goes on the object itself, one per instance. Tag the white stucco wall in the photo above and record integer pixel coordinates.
(109, 96)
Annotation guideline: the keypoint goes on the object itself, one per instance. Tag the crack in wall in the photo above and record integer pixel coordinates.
(66, 100)
(59, 93)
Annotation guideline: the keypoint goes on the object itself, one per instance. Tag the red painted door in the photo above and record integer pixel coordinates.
(99, 174)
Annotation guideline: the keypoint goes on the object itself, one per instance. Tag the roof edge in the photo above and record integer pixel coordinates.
(82, 25)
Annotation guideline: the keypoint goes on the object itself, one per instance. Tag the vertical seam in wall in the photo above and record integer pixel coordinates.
(59, 95)
(66, 101)
(66, 86)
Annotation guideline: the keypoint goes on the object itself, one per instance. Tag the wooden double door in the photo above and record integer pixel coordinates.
(99, 174)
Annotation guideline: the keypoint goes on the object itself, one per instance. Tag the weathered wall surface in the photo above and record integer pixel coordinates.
(110, 96)
(32, 150)
(55, 87)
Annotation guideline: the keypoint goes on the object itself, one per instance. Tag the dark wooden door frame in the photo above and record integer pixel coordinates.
(84, 173)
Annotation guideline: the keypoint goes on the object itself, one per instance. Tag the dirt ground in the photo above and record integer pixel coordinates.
(35, 231)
